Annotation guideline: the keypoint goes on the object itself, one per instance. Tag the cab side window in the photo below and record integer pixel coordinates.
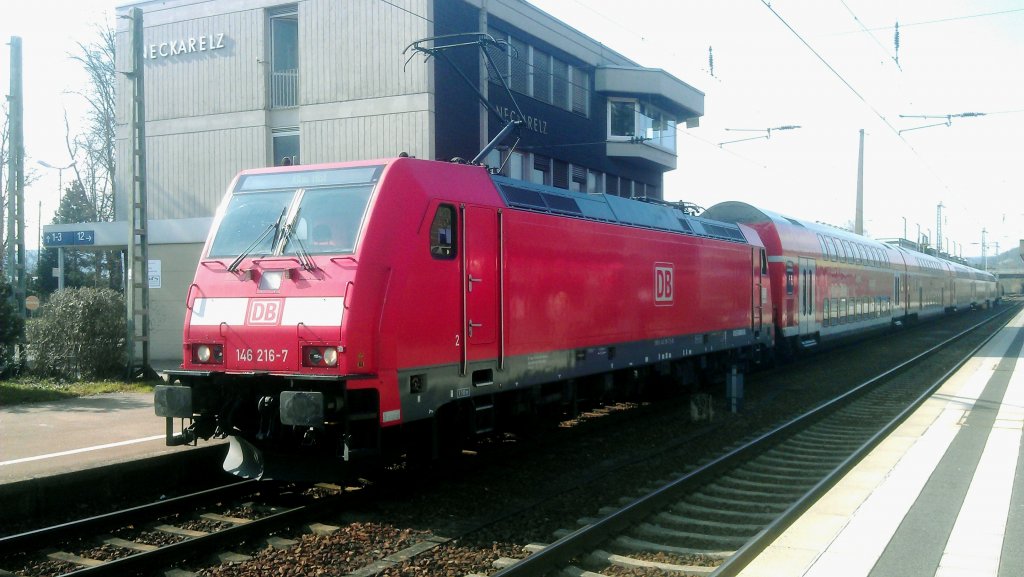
(442, 233)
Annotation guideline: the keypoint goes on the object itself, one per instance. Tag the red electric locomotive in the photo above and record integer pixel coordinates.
(340, 311)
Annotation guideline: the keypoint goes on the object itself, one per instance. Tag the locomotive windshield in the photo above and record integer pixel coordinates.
(290, 213)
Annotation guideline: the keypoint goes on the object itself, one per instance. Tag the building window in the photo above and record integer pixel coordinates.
(520, 56)
(560, 174)
(621, 118)
(559, 83)
(579, 179)
(541, 173)
(593, 182)
(514, 164)
(629, 118)
(541, 76)
(498, 56)
(580, 92)
(534, 73)
(612, 185)
(284, 57)
(286, 146)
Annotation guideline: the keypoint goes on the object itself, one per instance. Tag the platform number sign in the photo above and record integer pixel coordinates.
(69, 238)
(664, 284)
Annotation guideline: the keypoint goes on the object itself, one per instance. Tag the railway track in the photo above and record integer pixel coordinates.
(715, 519)
(165, 532)
(722, 514)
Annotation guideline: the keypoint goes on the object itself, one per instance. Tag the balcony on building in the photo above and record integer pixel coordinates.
(645, 106)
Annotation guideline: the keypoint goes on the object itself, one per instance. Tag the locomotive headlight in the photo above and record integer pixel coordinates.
(208, 354)
(320, 356)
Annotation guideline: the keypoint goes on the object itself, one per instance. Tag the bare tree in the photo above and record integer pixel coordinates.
(94, 148)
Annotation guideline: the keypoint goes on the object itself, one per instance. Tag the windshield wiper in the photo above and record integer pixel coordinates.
(274, 226)
(288, 233)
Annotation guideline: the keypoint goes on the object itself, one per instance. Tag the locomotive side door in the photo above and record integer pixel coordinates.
(480, 288)
(808, 324)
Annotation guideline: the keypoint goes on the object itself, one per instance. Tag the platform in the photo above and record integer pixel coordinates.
(43, 439)
(942, 496)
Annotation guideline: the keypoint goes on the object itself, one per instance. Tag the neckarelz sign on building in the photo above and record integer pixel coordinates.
(184, 46)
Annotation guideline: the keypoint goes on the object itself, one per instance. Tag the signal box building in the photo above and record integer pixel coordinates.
(236, 84)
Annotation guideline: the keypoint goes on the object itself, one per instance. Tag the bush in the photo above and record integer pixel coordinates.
(11, 329)
(79, 334)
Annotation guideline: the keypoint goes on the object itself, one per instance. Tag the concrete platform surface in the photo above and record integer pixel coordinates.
(43, 439)
(942, 496)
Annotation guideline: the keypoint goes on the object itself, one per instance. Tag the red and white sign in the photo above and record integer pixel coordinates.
(664, 283)
(264, 312)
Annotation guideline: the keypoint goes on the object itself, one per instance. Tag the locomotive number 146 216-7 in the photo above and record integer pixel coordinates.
(261, 355)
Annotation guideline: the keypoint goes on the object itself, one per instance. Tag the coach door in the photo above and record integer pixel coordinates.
(807, 312)
(759, 296)
(481, 290)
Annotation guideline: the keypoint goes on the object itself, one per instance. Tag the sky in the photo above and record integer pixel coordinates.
(827, 66)
(49, 30)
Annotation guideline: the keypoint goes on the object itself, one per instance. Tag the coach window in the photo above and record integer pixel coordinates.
(442, 233)
(789, 277)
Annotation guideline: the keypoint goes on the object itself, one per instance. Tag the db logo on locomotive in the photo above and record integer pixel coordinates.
(664, 283)
(264, 312)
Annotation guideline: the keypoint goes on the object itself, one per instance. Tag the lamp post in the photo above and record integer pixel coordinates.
(60, 195)
(60, 175)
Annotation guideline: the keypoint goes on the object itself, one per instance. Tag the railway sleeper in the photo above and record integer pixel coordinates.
(681, 522)
(634, 544)
(771, 487)
(738, 495)
(756, 476)
(781, 463)
(659, 532)
(737, 505)
(822, 463)
(816, 446)
(686, 508)
(599, 557)
(833, 430)
(74, 559)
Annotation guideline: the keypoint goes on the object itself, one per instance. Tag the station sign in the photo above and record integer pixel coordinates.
(69, 238)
